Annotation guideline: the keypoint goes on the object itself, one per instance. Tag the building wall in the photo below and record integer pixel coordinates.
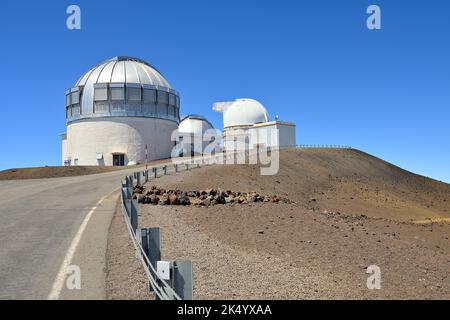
(260, 134)
(287, 135)
(127, 135)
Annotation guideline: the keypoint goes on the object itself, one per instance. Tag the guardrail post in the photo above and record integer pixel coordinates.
(150, 240)
(138, 178)
(187, 166)
(155, 171)
(151, 244)
(165, 170)
(134, 215)
(128, 206)
(176, 167)
(146, 175)
(124, 194)
(128, 194)
(182, 279)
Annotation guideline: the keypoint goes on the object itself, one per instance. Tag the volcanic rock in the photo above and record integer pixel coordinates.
(173, 199)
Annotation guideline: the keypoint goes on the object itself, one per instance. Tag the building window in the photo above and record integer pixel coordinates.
(76, 110)
(118, 107)
(172, 111)
(101, 107)
(163, 97)
(134, 93)
(75, 97)
(100, 92)
(149, 109)
(162, 110)
(67, 100)
(172, 99)
(149, 95)
(117, 92)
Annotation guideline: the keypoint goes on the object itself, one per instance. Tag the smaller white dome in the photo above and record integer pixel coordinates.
(244, 112)
(194, 124)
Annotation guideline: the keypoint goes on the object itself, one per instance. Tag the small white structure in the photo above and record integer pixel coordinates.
(115, 110)
(247, 126)
(195, 134)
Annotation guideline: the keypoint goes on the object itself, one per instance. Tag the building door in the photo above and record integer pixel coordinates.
(118, 160)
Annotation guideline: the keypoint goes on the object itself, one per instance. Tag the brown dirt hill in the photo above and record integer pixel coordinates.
(52, 172)
(58, 172)
(337, 180)
(297, 250)
(352, 210)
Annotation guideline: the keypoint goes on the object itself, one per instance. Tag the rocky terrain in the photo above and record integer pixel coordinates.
(207, 197)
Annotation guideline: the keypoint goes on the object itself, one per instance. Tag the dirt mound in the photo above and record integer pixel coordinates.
(53, 172)
(337, 180)
(59, 172)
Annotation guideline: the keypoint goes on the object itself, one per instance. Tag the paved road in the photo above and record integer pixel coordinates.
(38, 220)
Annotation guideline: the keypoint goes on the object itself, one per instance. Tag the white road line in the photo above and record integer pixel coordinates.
(62, 273)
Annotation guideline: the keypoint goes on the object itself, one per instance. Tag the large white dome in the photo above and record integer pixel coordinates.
(244, 112)
(123, 69)
(122, 86)
(120, 69)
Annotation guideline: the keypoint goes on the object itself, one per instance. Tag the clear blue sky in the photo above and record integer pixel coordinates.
(313, 62)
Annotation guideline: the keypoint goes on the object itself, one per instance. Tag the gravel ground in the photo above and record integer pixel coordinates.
(125, 277)
(279, 251)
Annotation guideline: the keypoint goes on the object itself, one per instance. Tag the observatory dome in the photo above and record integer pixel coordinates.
(244, 112)
(122, 86)
(123, 70)
(122, 111)
(194, 124)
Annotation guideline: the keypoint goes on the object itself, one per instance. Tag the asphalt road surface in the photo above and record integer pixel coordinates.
(39, 219)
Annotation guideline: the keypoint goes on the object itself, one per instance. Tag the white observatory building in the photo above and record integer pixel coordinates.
(116, 110)
(247, 126)
(195, 134)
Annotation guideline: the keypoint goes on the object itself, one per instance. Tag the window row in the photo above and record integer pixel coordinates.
(146, 109)
(121, 92)
(105, 107)
(130, 92)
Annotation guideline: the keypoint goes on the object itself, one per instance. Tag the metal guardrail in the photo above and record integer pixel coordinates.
(160, 287)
